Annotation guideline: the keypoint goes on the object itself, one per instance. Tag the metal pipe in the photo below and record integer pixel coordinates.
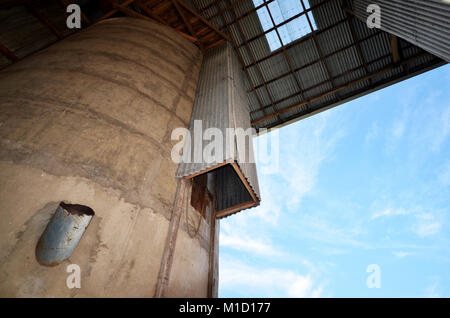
(63, 233)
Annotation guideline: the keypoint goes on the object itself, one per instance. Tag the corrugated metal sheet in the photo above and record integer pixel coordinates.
(333, 35)
(221, 102)
(231, 190)
(425, 23)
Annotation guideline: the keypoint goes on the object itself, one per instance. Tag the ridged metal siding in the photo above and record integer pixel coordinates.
(374, 45)
(211, 106)
(425, 23)
(221, 102)
(230, 189)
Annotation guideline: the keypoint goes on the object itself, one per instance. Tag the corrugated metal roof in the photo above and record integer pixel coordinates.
(341, 59)
(332, 67)
(426, 23)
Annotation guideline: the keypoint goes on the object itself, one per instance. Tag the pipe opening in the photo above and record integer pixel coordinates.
(63, 233)
(77, 209)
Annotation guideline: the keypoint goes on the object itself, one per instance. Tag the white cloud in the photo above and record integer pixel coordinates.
(266, 282)
(427, 228)
(337, 228)
(310, 142)
(401, 254)
(425, 216)
(330, 251)
(423, 224)
(325, 232)
(389, 212)
(399, 129)
(248, 244)
(426, 225)
(269, 210)
(427, 128)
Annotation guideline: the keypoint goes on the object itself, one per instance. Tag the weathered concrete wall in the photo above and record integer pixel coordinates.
(191, 257)
(88, 121)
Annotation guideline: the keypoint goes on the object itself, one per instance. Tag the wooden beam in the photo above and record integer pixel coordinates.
(203, 30)
(324, 82)
(183, 17)
(209, 36)
(229, 7)
(407, 73)
(212, 238)
(10, 55)
(213, 3)
(150, 13)
(186, 22)
(202, 19)
(134, 14)
(318, 60)
(278, 25)
(337, 89)
(296, 42)
(207, 170)
(12, 4)
(215, 44)
(113, 11)
(161, 7)
(394, 48)
(171, 240)
(244, 181)
(131, 12)
(212, 258)
(234, 209)
(348, 10)
(44, 20)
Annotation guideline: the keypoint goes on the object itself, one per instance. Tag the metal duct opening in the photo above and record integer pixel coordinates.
(77, 209)
(63, 233)
(221, 104)
(232, 194)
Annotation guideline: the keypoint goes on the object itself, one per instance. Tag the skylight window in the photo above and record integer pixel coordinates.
(282, 10)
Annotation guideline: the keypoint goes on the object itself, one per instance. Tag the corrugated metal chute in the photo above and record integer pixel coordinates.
(221, 102)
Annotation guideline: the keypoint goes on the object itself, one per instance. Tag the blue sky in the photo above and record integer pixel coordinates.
(367, 182)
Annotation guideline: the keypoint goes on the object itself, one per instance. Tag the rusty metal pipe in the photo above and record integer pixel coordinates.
(63, 233)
